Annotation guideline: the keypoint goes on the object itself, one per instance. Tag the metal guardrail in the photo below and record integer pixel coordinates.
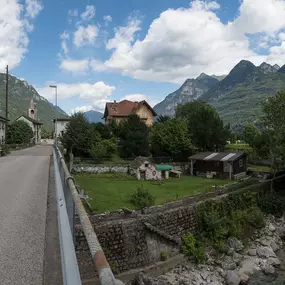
(68, 200)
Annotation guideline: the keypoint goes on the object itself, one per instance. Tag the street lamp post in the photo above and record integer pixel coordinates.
(55, 129)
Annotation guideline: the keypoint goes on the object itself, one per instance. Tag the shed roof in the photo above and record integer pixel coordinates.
(217, 156)
(163, 167)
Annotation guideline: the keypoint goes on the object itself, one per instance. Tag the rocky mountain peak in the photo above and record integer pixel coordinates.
(282, 69)
(266, 68)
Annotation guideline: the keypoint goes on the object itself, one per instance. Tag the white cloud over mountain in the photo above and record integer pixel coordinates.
(182, 43)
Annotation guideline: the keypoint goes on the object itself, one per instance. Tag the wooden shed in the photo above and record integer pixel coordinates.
(219, 164)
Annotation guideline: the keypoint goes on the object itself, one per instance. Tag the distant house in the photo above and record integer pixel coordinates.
(145, 170)
(32, 121)
(120, 110)
(2, 130)
(219, 164)
(59, 126)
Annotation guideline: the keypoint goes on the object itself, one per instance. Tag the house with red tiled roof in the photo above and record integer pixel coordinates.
(120, 110)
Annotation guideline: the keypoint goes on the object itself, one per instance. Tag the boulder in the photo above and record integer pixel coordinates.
(244, 278)
(237, 258)
(232, 278)
(233, 242)
(280, 232)
(252, 252)
(265, 252)
(274, 246)
(271, 227)
(268, 269)
(273, 261)
(249, 266)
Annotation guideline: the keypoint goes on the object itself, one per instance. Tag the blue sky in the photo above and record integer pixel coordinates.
(97, 51)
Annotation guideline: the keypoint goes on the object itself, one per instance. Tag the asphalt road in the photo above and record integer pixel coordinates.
(24, 177)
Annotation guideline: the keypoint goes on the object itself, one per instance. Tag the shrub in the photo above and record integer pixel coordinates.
(142, 198)
(271, 203)
(4, 150)
(192, 248)
(221, 246)
(255, 218)
(163, 256)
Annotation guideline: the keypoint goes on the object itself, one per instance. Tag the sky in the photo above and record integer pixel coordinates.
(97, 51)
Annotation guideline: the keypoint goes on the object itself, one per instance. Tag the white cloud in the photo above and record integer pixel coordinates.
(15, 23)
(82, 109)
(85, 35)
(184, 42)
(282, 36)
(96, 94)
(89, 13)
(73, 13)
(33, 8)
(75, 66)
(64, 38)
(107, 18)
(140, 97)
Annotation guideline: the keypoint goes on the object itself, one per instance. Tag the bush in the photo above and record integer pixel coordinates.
(271, 203)
(192, 248)
(163, 256)
(4, 150)
(142, 198)
(221, 246)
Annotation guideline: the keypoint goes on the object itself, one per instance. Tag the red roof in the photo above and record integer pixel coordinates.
(124, 108)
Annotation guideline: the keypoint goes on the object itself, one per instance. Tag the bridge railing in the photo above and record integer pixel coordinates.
(69, 202)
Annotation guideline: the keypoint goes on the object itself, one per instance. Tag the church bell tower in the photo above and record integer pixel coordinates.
(32, 112)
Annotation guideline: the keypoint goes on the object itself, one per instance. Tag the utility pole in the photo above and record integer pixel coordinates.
(7, 85)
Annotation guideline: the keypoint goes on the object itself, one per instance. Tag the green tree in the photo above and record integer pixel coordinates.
(170, 139)
(19, 132)
(261, 144)
(134, 137)
(103, 149)
(79, 135)
(274, 110)
(206, 128)
(45, 134)
(250, 132)
(103, 130)
(162, 119)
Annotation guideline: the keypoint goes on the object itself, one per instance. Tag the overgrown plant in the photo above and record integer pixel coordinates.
(142, 198)
(192, 248)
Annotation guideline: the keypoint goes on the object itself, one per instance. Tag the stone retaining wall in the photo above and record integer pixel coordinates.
(136, 239)
(100, 169)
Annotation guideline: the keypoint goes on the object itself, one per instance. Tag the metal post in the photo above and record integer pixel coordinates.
(56, 116)
(7, 84)
(55, 128)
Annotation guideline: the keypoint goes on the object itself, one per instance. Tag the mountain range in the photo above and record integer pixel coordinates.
(20, 94)
(238, 97)
(94, 116)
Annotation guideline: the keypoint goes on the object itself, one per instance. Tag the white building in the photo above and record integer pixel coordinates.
(32, 121)
(2, 130)
(60, 125)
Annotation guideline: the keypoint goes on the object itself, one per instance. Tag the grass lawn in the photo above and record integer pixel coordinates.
(239, 147)
(259, 168)
(112, 191)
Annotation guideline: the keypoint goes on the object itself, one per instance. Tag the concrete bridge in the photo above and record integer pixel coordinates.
(29, 239)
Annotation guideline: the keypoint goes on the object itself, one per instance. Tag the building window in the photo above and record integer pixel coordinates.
(241, 163)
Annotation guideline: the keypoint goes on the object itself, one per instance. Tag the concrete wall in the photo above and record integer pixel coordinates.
(145, 113)
(61, 127)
